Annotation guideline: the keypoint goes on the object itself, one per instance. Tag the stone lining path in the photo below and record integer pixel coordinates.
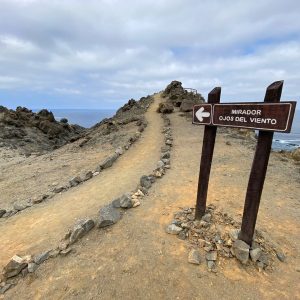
(41, 226)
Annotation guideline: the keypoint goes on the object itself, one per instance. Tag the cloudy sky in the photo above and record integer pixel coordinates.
(99, 54)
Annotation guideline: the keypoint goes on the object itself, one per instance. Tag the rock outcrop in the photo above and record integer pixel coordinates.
(178, 96)
(34, 132)
(30, 132)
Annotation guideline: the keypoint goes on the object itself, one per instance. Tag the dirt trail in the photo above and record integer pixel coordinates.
(42, 226)
(136, 259)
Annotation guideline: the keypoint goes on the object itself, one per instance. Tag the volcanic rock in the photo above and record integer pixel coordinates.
(194, 257)
(80, 229)
(241, 251)
(108, 215)
(14, 267)
(2, 212)
(173, 229)
(145, 182)
(108, 162)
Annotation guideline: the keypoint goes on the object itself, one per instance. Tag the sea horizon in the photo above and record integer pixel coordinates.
(85, 117)
(88, 117)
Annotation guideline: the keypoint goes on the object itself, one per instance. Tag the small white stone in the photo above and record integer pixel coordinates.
(136, 204)
(140, 193)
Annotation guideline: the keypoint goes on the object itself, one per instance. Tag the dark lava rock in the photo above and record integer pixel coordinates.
(64, 120)
(2, 212)
(14, 267)
(80, 229)
(124, 202)
(108, 162)
(40, 258)
(75, 181)
(34, 132)
(145, 182)
(108, 215)
(165, 108)
(241, 251)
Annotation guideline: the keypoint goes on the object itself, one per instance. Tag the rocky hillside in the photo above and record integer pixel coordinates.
(111, 128)
(30, 132)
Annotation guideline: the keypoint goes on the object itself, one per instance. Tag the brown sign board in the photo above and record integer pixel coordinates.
(254, 115)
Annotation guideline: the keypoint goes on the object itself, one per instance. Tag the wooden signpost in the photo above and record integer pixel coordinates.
(267, 117)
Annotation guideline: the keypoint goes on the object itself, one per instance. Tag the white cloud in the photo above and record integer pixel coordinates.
(114, 50)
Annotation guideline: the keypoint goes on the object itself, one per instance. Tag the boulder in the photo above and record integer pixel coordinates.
(40, 258)
(75, 181)
(194, 257)
(241, 251)
(88, 176)
(58, 190)
(173, 229)
(165, 108)
(212, 255)
(5, 288)
(160, 164)
(64, 120)
(2, 212)
(81, 228)
(21, 205)
(124, 201)
(108, 162)
(280, 255)
(145, 182)
(119, 151)
(255, 254)
(32, 267)
(165, 148)
(165, 155)
(234, 234)
(14, 267)
(108, 215)
(206, 218)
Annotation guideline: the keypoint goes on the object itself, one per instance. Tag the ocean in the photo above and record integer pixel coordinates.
(288, 141)
(83, 117)
(89, 117)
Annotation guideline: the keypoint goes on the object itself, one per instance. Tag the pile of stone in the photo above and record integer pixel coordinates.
(25, 265)
(215, 237)
(177, 96)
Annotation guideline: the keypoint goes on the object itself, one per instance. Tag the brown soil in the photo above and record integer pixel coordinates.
(136, 259)
(24, 178)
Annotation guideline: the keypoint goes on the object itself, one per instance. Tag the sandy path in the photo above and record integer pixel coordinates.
(40, 227)
(136, 259)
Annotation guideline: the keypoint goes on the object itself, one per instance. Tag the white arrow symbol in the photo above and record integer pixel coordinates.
(200, 114)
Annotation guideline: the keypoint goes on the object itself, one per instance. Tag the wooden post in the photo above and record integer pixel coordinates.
(258, 171)
(206, 158)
